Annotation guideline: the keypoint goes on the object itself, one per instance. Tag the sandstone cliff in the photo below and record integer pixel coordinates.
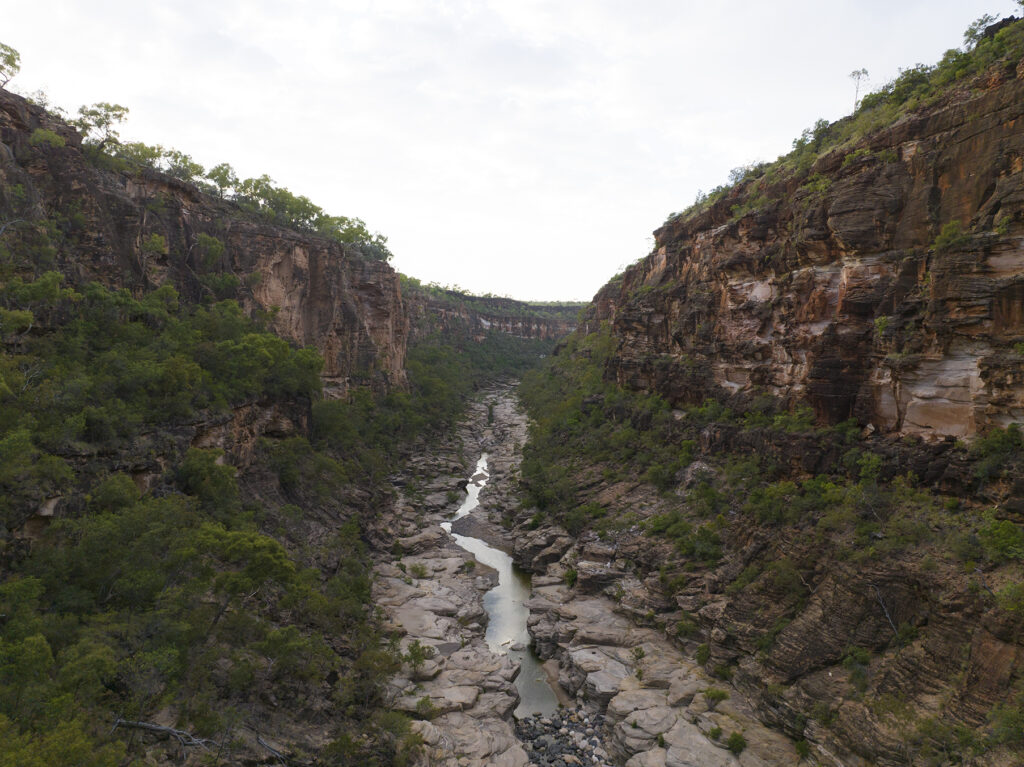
(140, 230)
(803, 517)
(440, 310)
(886, 284)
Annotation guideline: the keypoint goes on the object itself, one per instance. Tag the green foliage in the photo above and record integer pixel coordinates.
(223, 177)
(951, 237)
(114, 493)
(914, 87)
(68, 742)
(141, 603)
(687, 627)
(723, 671)
(703, 653)
(856, 663)
(803, 748)
(714, 696)
(183, 167)
(488, 304)
(262, 197)
(975, 33)
(28, 476)
(715, 732)
(97, 124)
(580, 420)
(203, 474)
(209, 249)
(744, 579)
(1002, 540)
(417, 654)
(133, 603)
(368, 432)
(1008, 722)
(736, 743)
(1011, 598)
(154, 244)
(46, 136)
(996, 451)
(117, 363)
(10, 64)
(259, 196)
(571, 575)
(425, 708)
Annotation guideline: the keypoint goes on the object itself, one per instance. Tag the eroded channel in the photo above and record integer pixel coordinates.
(506, 607)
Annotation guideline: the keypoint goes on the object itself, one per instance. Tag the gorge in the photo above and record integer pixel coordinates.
(267, 501)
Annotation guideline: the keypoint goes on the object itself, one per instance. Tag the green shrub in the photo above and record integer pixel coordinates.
(736, 743)
(46, 136)
(154, 244)
(425, 708)
(1007, 721)
(723, 671)
(1011, 598)
(116, 492)
(995, 450)
(687, 626)
(714, 696)
(571, 576)
(1002, 540)
(952, 236)
(703, 653)
(856, 662)
(203, 475)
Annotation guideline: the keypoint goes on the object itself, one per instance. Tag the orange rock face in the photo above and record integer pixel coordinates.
(840, 293)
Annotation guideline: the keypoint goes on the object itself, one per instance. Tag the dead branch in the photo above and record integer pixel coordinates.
(981, 580)
(878, 596)
(272, 750)
(3, 227)
(185, 739)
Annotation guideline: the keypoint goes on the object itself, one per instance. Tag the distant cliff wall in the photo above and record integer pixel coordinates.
(432, 310)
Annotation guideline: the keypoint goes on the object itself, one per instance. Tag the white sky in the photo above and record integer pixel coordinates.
(521, 147)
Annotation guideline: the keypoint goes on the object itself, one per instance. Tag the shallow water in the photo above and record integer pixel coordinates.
(506, 607)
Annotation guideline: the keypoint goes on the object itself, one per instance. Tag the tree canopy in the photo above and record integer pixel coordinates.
(10, 64)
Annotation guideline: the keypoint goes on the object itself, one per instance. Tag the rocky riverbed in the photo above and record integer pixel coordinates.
(462, 692)
(632, 695)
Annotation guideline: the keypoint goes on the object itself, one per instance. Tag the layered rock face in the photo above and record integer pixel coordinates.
(140, 231)
(887, 286)
(480, 315)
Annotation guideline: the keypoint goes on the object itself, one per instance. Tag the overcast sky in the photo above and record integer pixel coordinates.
(521, 147)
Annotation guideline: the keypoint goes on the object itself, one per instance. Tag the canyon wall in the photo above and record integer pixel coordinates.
(886, 285)
(141, 230)
(433, 310)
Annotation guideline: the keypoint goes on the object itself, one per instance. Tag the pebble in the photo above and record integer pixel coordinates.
(566, 739)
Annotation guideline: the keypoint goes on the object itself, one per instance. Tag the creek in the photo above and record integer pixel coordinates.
(506, 607)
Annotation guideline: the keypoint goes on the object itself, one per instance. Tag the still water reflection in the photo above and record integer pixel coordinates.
(506, 607)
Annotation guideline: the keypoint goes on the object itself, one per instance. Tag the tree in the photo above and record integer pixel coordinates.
(974, 33)
(140, 154)
(223, 177)
(182, 166)
(98, 123)
(10, 64)
(857, 76)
